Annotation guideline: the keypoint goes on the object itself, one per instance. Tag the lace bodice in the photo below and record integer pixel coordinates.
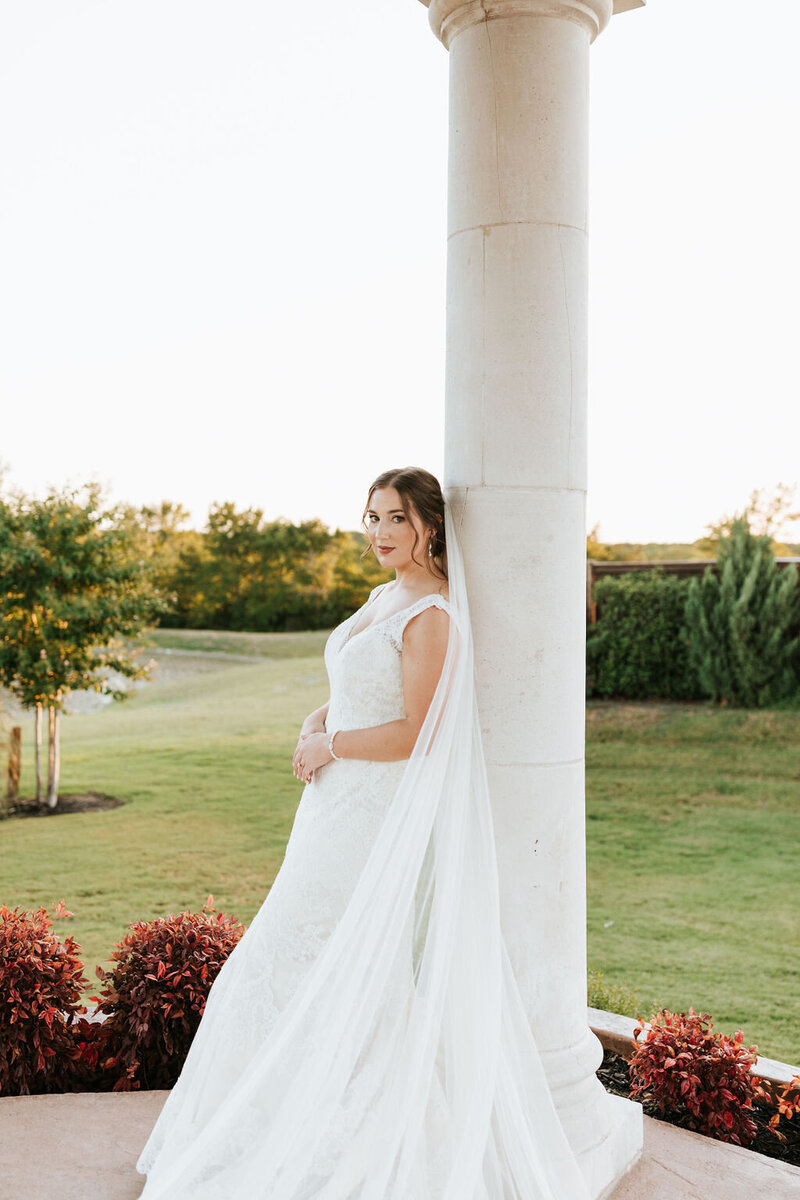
(335, 826)
(366, 1036)
(365, 667)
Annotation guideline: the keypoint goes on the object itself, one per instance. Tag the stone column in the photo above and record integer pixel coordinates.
(515, 469)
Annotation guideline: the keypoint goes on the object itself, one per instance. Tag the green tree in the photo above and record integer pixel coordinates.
(767, 514)
(158, 536)
(245, 572)
(264, 574)
(741, 623)
(595, 549)
(75, 587)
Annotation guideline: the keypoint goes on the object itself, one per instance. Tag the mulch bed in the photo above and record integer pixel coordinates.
(613, 1074)
(85, 802)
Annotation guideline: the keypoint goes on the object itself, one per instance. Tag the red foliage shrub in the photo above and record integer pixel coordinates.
(786, 1102)
(93, 1069)
(41, 978)
(156, 994)
(685, 1068)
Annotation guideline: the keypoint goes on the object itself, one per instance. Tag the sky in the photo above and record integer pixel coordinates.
(222, 254)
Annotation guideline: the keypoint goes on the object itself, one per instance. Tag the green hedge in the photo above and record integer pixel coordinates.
(635, 650)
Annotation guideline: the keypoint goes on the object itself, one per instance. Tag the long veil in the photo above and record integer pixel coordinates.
(404, 1067)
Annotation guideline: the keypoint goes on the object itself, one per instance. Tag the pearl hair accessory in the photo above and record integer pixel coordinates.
(333, 753)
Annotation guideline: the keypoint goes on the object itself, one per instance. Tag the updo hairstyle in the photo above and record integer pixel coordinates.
(420, 491)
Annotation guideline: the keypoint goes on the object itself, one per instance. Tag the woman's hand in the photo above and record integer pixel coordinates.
(312, 724)
(312, 752)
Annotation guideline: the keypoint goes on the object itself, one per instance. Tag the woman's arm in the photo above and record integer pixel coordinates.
(313, 726)
(315, 721)
(424, 649)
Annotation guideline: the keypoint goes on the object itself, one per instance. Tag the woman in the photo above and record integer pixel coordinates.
(365, 1040)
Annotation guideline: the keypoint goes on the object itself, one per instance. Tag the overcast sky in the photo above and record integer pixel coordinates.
(222, 254)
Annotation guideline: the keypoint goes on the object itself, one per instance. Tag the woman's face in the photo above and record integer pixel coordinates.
(391, 532)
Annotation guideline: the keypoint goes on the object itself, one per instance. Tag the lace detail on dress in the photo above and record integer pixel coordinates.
(366, 1039)
(336, 823)
(365, 669)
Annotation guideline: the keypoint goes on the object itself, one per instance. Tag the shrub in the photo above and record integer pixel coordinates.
(685, 1068)
(41, 978)
(786, 1103)
(156, 994)
(619, 999)
(635, 649)
(94, 1068)
(742, 625)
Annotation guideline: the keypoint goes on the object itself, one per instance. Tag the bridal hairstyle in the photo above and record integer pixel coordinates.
(420, 493)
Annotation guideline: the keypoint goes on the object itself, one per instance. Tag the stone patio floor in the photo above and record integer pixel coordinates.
(83, 1146)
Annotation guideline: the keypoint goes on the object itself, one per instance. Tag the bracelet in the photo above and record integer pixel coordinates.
(338, 757)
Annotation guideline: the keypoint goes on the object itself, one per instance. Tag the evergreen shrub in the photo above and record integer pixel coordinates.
(742, 624)
(636, 649)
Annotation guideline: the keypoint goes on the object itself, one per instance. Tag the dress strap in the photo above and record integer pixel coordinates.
(397, 623)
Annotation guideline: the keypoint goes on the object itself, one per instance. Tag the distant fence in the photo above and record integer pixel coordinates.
(683, 567)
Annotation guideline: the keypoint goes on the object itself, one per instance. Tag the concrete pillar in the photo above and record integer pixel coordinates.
(515, 469)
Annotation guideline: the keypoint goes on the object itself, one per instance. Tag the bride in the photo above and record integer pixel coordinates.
(366, 1040)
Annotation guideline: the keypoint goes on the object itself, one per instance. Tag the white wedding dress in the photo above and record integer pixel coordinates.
(365, 1039)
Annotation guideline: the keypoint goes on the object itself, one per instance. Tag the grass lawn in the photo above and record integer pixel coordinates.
(693, 862)
(693, 832)
(203, 757)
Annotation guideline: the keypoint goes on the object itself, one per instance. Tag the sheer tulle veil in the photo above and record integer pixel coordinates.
(407, 1045)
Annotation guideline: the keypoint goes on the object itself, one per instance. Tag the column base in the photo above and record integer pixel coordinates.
(605, 1131)
(617, 1131)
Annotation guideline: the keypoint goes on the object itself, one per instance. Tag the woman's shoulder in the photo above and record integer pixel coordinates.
(436, 597)
(426, 602)
(438, 590)
(424, 622)
(442, 594)
(440, 600)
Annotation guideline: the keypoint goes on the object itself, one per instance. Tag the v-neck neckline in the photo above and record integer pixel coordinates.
(374, 624)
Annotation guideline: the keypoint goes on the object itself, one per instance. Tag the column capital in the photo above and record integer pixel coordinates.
(448, 18)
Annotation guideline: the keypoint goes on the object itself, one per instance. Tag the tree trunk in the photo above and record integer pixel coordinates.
(14, 763)
(53, 758)
(38, 753)
(57, 760)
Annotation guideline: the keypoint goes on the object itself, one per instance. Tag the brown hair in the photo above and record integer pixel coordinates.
(420, 491)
